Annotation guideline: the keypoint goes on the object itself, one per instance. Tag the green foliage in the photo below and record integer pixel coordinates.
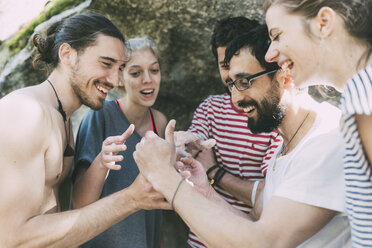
(61, 5)
(20, 40)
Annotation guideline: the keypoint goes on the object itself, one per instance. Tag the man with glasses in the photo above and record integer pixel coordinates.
(239, 157)
(303, 198)
(244, 83)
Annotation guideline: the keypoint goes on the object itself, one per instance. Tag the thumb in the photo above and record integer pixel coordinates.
(169, 131)
(208, 143)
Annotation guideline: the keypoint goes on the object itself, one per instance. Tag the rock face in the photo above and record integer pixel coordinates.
(182, 31)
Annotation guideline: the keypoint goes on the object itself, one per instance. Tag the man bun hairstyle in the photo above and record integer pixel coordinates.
(79, 31)
(44, 46)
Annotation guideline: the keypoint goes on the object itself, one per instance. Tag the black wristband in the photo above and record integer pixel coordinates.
(220, 175)
(211, 169)
(217, 177)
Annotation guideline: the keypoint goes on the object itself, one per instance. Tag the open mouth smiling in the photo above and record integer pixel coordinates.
(147, 92)
(287, 65)
(102, 89)
(249, 109)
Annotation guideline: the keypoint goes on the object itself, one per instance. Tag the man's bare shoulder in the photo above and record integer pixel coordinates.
(23, 117)
(25, 124)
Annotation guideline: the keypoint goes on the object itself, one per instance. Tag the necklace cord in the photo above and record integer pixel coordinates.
(68, 150)
(286, 146)
(60, 107)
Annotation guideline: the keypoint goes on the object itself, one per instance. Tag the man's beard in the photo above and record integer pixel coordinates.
(270, 113)
(226, 89)
(77, 84)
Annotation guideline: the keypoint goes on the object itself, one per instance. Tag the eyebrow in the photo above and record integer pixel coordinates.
(271, 31)
(222, 64)
(113, 60)
(154, 63)
(242, 74)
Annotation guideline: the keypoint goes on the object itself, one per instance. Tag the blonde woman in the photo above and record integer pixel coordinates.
(141, 82)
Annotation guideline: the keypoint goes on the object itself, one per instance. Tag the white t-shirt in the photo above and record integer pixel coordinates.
(313, 174)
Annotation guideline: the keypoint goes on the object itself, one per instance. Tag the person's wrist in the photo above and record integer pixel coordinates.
(209, 192)
(103, 168)
(131, 194)
(254, 192)
(99, 164)
(176, 191)
(211, 172)
(167, 184)
(218, 176)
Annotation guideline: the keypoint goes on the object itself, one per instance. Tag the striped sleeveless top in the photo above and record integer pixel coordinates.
(357, 99)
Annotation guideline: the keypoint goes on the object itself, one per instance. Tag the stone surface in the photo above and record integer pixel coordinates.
(182, 30)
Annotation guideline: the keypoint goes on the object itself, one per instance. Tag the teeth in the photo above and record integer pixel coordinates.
(147, 91)
(102, 89)
(248, 109)
(286, 65)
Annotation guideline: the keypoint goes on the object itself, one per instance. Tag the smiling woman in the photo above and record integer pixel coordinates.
(330, 41)
(141, 76)
(140, 82)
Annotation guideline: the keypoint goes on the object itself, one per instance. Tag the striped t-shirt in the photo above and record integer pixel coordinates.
(238, 150)
(357, 99)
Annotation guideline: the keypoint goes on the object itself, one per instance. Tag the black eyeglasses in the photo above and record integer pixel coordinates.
(244, 83)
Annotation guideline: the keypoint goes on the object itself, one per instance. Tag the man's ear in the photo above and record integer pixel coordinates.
(67, 54)
(323, 24)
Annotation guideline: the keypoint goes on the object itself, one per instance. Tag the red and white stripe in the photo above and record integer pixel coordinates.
(239, 151)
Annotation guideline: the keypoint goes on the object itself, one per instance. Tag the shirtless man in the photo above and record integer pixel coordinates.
(86, 54)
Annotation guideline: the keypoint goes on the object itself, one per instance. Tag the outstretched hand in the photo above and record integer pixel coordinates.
(111, 146)
(155, 156)
(190, 144)
(193, 171)
(207, 159)
(145, 196)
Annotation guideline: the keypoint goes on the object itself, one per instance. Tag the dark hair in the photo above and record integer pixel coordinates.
(79, 31)
(257, 41)
(229, 28)
(356, 14)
